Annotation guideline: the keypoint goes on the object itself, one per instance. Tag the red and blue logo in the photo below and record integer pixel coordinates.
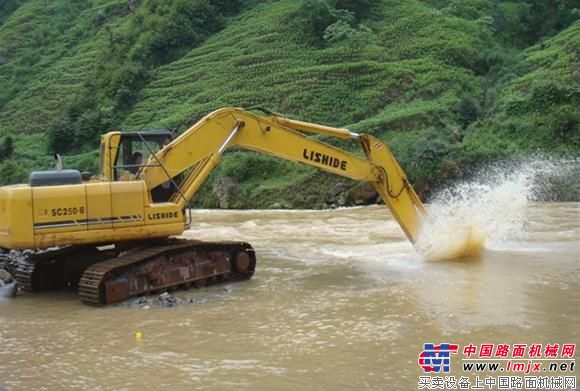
(436, 358)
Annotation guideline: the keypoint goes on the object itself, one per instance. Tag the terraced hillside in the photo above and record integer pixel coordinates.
(449, 85)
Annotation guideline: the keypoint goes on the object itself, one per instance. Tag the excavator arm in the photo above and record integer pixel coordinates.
(119, 229)
(196, 152)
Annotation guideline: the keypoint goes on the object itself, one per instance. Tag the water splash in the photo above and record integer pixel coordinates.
(464, 217)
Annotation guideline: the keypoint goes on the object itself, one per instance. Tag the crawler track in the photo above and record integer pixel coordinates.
(170, 265)
(55, 269)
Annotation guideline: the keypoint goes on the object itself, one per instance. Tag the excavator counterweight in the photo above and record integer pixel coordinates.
(113, 236)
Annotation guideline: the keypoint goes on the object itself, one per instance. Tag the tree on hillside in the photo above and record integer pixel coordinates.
(360, 8)
(160, 32)
(227, 7)
(548, 17)
(6, 148)
(7, 7)
(312, 18)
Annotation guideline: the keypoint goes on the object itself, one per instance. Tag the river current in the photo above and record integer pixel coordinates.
(340, 300)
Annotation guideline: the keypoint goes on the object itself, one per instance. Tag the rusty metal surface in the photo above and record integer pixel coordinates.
(242, 262)
(171, 265)
(116, 290)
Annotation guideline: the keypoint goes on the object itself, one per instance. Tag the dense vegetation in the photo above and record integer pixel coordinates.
(450, 85)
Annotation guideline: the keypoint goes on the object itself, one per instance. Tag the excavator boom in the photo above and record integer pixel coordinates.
(202, 146)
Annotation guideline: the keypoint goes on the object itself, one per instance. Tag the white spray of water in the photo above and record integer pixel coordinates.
(464, 217)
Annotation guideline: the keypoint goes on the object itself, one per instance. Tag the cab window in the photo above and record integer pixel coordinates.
(134, 153)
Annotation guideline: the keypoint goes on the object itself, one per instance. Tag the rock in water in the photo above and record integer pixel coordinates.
(8, 290)
(167, 301)
(5, 276)
(7, 284)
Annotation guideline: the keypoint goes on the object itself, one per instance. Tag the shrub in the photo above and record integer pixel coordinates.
(7, 148)
(310, 21)
(7, 7)
(546, 18)
(467, 110)
(342, 31)
(361, 8)
(226, 7)
(165, 29)
(244, 166)
(12, 172)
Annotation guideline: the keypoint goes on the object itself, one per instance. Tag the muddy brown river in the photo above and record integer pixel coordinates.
(340, 300)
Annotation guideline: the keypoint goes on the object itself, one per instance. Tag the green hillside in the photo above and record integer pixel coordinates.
(449, 85)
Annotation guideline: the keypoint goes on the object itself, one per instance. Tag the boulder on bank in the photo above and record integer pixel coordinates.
(335, 190)
(363, 194)
(226, 190)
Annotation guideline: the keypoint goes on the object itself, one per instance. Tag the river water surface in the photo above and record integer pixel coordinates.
(340, 300)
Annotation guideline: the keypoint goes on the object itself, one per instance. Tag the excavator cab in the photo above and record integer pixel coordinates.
(124, 154)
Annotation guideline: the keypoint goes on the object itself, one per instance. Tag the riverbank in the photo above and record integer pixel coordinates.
(553, 180)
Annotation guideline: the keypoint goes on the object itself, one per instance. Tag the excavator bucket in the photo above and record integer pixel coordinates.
(439, 241)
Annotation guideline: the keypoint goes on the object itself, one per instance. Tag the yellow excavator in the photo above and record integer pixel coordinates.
(115, 236)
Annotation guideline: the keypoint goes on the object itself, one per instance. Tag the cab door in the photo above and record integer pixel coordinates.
(128, 203)
(99, 207)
